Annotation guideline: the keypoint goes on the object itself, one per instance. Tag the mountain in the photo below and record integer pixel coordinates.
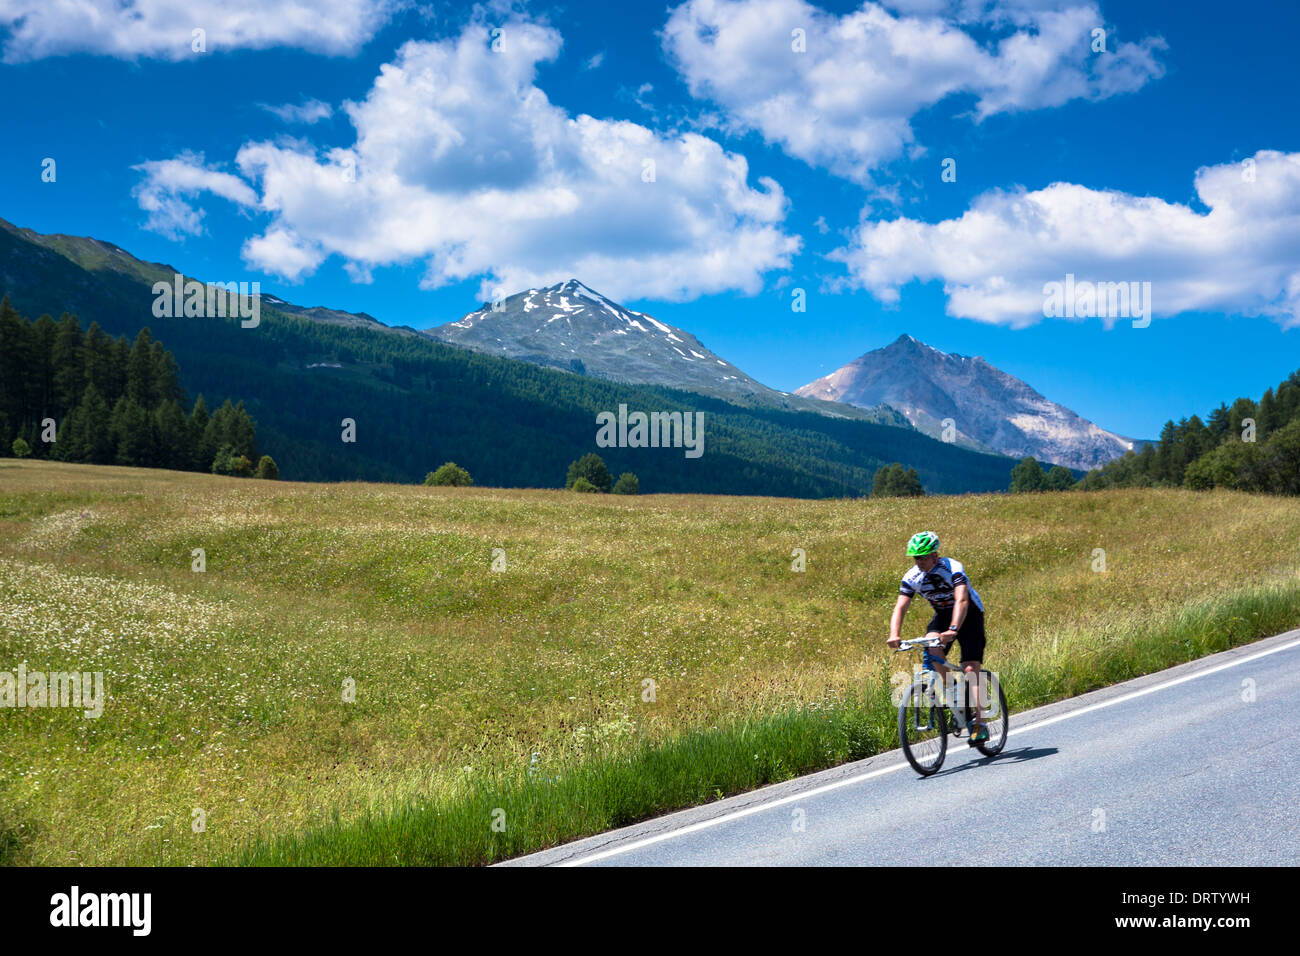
(319, 313)
(572, 327)
(990, 409)
(108, 261)
(417, 402)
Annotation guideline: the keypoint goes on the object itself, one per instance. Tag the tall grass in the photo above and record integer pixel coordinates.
(511, 814)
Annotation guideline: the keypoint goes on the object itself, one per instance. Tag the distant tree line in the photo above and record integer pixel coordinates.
(1247, 446)
(895, 481)
(77, 396)
(1028, 475)
(590, 473)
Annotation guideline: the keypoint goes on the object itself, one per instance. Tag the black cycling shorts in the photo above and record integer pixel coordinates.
(971, 635)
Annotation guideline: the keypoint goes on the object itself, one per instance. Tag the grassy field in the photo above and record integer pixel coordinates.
(501, 711)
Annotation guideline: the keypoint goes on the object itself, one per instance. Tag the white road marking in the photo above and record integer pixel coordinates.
(826, 788)
(1151, 690)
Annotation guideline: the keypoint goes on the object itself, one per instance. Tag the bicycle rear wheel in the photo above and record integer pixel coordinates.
(922, 730)
(996, 723)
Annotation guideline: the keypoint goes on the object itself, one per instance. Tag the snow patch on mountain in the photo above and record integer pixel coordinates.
(602, 338)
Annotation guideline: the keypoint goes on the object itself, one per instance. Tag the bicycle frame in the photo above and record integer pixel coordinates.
(987, 691)
(928, 704)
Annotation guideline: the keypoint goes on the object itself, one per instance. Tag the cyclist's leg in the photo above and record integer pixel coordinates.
(934, 664)
(970, 671)
(938, 624)
(936, 656)
(971, 639)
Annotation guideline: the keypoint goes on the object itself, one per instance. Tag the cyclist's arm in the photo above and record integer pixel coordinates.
(896, 620)
(961, 604)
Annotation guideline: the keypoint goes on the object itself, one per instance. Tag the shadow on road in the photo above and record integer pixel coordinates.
(1012, 756)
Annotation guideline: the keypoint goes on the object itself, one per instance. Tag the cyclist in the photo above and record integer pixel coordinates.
(958, 615)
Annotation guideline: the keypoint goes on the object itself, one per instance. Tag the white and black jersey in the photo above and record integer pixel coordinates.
(938, 586)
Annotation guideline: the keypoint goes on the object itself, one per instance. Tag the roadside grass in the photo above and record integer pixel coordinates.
(509, 815)
(524, 690)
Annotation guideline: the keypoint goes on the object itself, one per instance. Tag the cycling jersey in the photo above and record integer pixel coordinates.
(938, 585)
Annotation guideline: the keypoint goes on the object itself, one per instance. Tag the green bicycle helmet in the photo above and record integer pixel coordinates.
(923, 542)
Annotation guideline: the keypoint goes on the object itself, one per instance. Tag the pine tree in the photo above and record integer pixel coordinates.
(886, 481)
(1219, 423)
(69, 365)
(141, 386)
(64, 448)
(1144, 467)
(1164, 456)
(132, 434)
(1199, 440)
(97, 352)
(243, 432)
(16, 362)
(1288, 400)
(119, 362)
(42, 401)
(1267, 416)
(174, 449)
(166, 375)
(202, 448)
(218, 430)
(1242, 409)
(97, 429)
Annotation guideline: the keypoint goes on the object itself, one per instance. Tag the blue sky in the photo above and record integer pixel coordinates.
(474, 169)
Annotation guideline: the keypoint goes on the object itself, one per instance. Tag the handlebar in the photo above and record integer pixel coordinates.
(910, 643)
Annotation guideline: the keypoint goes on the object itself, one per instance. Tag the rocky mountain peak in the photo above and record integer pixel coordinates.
(989, 408)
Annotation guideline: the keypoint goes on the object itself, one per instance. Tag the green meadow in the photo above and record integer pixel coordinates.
(350, 681)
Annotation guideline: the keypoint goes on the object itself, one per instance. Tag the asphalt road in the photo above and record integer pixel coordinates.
(1175, 768)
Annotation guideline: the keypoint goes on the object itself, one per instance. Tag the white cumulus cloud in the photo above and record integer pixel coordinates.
(847, 101)
(164, 29)
(461, 161)
(170, 185)
(1241, 255)
(309, 111)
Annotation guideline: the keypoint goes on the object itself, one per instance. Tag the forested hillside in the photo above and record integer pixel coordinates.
(84, 397)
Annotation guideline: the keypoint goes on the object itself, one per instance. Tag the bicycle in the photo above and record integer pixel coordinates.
(925, 717)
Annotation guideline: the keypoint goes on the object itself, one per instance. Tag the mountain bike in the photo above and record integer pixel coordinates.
(926, 715)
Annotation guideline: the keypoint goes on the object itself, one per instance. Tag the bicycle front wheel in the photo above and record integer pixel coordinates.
(922, 730)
